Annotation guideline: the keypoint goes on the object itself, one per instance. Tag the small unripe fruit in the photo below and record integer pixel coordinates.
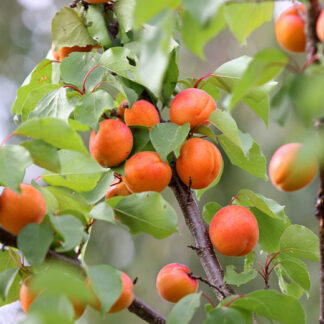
(125, 299)
(320, 26)
(122, 107)
(290, 29)
(146, 171)
(173, 282)
(199, 160)
(192, 106)
(234, 231)
(18, 210)
(118, 188)
(142, 113)
(289, 170)
(64, 52)
(112, 144)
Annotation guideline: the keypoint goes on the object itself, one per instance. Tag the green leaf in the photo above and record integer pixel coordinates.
(176, 136)
(43, 155)
(300, 242)
(141, 136)
(125, 13)
(7, 278)
(227, 125)
(76, 66)
(91, 106)
(53, 131)
(226, 315)
(248, 261)
(77, 126)
(196, 36)
(147, 9)
(14, 160)
(106, 283)
(147, 212)
(103, 211)
(68, 30)
(79, 172)
(71, 230)
(272, 305)
(54, 104)
(209, 211)
(34, 241)
(253, 162)
(99, 191)
(184, 310)
(97, 26)
(258, 14)
(69, 199)
(238, 279)
(202, 12)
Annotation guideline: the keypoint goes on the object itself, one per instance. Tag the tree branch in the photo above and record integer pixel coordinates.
(199, 231)
(311, 37)
(138, 307)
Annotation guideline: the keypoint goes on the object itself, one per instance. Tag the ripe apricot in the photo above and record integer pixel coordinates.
(64, 52)
(125, 299)
(173, 282)
(27, 297)
(122, 107)
(192, 106)
(18, 210)
(290, 29)
(142, 113)
(234, 231)
(112, 144)
(146, 171)
(199, 160)
(320, 26)
(289, 170)
(118, 188)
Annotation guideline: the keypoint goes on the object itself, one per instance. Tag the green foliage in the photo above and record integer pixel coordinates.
(238, 279)
(226, 315)
(7, 278)
(209, 211)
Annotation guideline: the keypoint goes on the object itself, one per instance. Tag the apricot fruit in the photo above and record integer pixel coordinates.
(122, 107)
(18, 210)
(234, 231)
(290, 29)
(320, 26)
(27, 297)
(289, 170)
(146, 171)
(125, 299)
(118, 188)
(64, 52)
(192, 106)
(173, 282)
(142, 113)
(112, 144)
(199, 160)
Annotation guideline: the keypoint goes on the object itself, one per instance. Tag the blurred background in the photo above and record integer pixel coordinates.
(25, 39)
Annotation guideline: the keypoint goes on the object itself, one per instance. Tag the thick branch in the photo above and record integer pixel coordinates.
(199, 231)
(312, 40)
(138, 307)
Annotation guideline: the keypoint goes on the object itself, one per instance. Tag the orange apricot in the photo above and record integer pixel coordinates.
(290, 29)
(289, 170)
(320, 26)
(112, 144)
(118, 188)
(122, 107)
(18, 210)
(146, 171)
(173, 282)
(199, 160)
(64, 52)
(142, 113)
(125, 299)
(192, 106)
(234, 231)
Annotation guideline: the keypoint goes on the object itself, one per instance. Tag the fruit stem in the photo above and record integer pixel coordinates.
(86, 77)
(73, 87)
(202, 78)
(209, 299)
(96, 86)
(7, 138)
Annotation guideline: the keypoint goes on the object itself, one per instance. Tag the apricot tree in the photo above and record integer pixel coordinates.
(112, 124)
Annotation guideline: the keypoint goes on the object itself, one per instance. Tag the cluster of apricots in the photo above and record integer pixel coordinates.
(27, 297)
(290, 28)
